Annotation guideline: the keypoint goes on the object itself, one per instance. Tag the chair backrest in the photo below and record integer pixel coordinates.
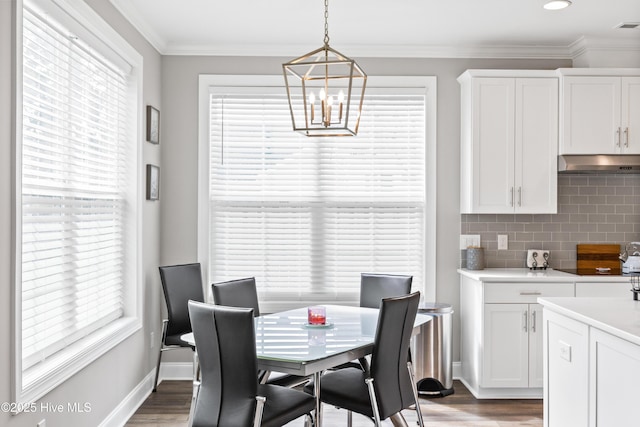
(390, 352)
(180, 284)
(375, 287)
(237, 293)
(226, 343)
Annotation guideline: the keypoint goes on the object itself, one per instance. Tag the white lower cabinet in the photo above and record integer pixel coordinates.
(592, 377)
(513, 342)
(566, 404)
(614, 379)
(502, 337)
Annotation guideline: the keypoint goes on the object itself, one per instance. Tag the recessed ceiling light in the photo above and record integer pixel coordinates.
(557, 4)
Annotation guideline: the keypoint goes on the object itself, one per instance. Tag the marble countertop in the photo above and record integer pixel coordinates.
(617, 316)
(526, 275)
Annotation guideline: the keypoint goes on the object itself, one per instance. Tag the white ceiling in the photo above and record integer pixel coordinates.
(485, 28)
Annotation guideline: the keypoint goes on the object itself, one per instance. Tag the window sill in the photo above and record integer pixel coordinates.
(44, 377)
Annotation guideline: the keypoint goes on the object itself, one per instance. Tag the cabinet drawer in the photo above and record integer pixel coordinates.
(525, 292)
(607, 290)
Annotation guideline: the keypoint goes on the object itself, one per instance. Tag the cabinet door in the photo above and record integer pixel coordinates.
(536, 353)
(591, 115)
(506, 344)
(493, 149)
(536, 146)
(614, 366)
(631, 115)
(567, 393)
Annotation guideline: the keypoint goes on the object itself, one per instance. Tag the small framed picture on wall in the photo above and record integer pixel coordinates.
(153, 125)
(153, 182)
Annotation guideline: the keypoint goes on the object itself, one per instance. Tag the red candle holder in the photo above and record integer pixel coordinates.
(317, 315)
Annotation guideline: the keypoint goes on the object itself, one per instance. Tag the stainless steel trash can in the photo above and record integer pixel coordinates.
(431, 351)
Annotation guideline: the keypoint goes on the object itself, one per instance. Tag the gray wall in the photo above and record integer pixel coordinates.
(106, 382)
(179, 149)
(591, 209)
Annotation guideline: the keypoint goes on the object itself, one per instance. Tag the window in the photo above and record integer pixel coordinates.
(306, 216)
(77, 200)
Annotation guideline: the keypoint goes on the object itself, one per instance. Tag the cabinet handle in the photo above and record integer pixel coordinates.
(526, 320)
(533, 321)
(530, 293)
(511, 196)
(626, 137)
(519, 196)
(618, 135)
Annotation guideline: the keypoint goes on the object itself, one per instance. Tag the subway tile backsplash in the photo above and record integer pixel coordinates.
(603, 208)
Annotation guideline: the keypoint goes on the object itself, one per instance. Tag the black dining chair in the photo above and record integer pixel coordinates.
(237, 293)
(229, 393)
(243, 293)
(388, 387)
(180, 284)
(375, 287)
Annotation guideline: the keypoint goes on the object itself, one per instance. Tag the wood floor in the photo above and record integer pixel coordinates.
(169, 407)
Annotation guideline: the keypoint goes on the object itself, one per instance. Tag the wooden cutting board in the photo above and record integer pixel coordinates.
(592, 256)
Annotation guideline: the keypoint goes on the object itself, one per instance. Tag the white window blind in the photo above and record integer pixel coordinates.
(74, 178)
(306, 216)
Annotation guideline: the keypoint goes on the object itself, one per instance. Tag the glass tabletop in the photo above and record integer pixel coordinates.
(286, 343)
(287, 336)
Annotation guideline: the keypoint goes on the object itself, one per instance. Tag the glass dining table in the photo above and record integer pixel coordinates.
(286, 343)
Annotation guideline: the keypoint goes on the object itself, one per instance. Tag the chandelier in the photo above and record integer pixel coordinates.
(325, 90)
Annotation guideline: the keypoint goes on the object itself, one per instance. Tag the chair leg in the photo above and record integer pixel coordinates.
(164, 335)
(414, 389)
(309, 421)
(398, 420)
(374, 401)
(257, 420)
(155, 383)
(196, 387)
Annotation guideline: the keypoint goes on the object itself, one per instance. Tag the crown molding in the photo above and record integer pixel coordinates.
(131, 14)
(354, 51)
(584, 44)
(593, 52)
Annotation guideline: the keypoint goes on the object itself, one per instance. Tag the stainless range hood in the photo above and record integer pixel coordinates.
(626, 163)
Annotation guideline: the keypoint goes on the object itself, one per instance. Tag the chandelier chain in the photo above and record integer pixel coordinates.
(326, 22)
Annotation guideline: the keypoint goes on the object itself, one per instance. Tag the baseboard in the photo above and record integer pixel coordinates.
(503, 393)
(456, 370)
(121, 414)
(184, 371)
(176, 371)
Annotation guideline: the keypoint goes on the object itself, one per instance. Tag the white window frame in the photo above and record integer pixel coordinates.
(78, 355)
(429, 83)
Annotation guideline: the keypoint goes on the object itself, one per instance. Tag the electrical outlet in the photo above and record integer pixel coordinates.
(565, 351)
(42, 423)
(467, 240)
(503, 242)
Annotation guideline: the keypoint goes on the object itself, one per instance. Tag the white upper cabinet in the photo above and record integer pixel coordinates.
(630, 121)
(509, 140)
(600, 115)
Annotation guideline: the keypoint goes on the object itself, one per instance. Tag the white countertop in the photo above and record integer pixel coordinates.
(526, 275)
(619, 317)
